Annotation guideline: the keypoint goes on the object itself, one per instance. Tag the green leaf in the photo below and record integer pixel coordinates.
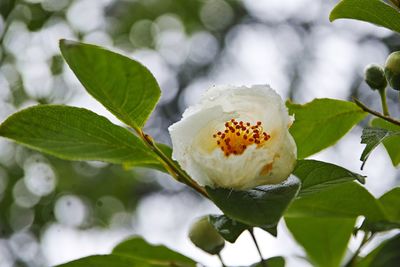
(271, 262)
(75, 134)
(321, 123)
(138, 248)
(372, 137)
(391, 144)
(373, 11)
(109, 261)
(324, 239)
(388, 254)
(391, 202)
(122, 85)
(229, 229)
(347, 200)
(317, 175)
(260, 206)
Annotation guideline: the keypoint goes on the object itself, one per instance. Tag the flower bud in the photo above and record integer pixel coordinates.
(205, 237)
(375, 77)
(392, 70)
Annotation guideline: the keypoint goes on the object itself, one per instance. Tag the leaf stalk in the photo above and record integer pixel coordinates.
(263, 262)
(169, 165)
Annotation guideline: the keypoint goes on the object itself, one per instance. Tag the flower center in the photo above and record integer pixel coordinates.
(237, 136)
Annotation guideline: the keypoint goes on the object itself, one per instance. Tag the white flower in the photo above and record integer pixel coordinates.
(235, 137)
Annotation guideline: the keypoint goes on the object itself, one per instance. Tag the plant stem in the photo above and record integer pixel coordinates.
(220, 259)
(367, 237)
(169, 165)
(385, 108)
(375, 113)
(263, 263)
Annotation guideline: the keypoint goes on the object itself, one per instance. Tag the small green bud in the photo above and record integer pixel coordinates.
(205, 237)
(392, 70)
(375, 77)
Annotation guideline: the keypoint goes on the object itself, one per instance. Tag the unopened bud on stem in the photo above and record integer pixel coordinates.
(392, 70)
(205, 237)
(375, 77)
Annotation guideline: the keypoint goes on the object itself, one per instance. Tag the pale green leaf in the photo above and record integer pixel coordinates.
(317, 175)
(346, 200)
(373, 11)
(138, 248)
(372, 137)
(122, 85)
(391, 204)
(75, 134)
(392, 144)
(110, 261)
(324, 239)
(321, 123)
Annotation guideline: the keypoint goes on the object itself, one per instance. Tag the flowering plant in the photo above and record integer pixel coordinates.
(242, 148)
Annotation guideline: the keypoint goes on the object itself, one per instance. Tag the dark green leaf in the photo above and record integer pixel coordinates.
(324, 239)
(388, 254)
(271, 262)
(138, 248)
(321, 123)
(372, 137)
(229, 229)
(347, 200)
(122, 85)
(373, 11)
(110, 261)
(260, 206)
(273, 230)
(317, 175)
(75, 134)
(391, 144)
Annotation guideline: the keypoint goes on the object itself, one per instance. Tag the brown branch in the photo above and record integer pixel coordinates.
(376, 113)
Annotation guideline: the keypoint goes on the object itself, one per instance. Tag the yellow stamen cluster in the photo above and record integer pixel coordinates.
(237, 136)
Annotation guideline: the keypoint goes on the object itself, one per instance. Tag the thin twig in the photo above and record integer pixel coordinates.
(220, 259)
(367, 237)
(263, 263)
(376, 113)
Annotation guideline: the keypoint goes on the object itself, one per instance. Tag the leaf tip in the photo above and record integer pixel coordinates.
(64, 43)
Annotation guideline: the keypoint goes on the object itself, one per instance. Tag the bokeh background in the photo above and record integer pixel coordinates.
(53, 211)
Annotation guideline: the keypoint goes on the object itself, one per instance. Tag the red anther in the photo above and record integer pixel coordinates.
(237, 136)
